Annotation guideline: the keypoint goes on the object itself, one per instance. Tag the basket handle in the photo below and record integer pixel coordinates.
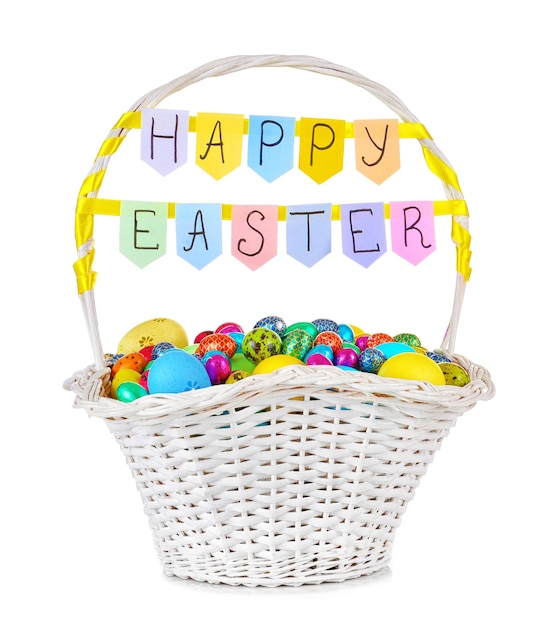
(436, 161)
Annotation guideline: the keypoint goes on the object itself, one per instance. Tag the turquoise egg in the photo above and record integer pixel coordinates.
(390, 348)
(128, 391)
(323, 349)
(306, 326)
(346, 333)
(176, 371)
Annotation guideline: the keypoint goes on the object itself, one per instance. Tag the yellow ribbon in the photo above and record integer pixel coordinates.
(86, 278)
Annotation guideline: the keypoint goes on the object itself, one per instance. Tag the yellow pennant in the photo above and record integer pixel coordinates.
(219, 142)
(321, 147)
(377, 148)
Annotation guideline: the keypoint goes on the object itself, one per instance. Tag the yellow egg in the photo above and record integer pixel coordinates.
(356, 330)
(123, 376)
(272, 363)
(150, 333)
(412, 366)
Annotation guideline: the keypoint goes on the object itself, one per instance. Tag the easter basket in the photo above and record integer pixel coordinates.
(296, 476)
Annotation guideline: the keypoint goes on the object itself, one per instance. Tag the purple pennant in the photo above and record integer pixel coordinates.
(363, 232)
(164, 139)
(308, 232)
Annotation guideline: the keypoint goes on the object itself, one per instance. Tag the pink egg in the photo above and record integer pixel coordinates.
(318, 359)
(229, 327)
(361, 341)
(218, 368)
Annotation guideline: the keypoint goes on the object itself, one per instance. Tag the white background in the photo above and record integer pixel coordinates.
(476, 546)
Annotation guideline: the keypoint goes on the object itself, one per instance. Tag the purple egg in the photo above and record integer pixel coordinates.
(347, 357)
(218, 368)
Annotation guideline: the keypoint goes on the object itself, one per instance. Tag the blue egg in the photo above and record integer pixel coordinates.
(161, 348)
(176, 371)
(272, 322)
(323, 324)
(238, 338)
(321, 349)
(390, 348)
(371, 360)
(438, 357)
(346, 333)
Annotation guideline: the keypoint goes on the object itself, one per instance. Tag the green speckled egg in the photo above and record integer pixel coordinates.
(454, 374)
(260, 343)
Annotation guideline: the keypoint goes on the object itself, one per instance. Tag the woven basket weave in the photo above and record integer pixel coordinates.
(295, 477)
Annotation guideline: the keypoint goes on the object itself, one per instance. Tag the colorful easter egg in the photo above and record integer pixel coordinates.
(236, 375)
(408, 338)
(376, 339)
(238, 338)
(346, 357)
(390, 348)
(323, 349)
(161, 348)
(217, 341)
(329, 338)
(454, 374)
(124, 375)
(361, 341)
(371, 360)
(438, 357)
(273, 363)
(317, 358)
(229, 327)
(346, 333)
(218, 367)
(202, 335)
(306, 326)
(412, 366)
(129, 391)
(133, 361)
(322, 324)
(176, 371)
(150, 333)
(272, 322)
(261, 343)
(297, 343)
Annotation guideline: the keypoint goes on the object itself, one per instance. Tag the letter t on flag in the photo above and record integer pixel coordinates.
(164, 139)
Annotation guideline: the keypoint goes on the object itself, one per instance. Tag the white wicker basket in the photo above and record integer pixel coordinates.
(299, 476)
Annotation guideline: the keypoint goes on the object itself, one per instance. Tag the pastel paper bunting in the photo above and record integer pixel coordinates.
(321, 147)
(199, 233)
(143, 228)
(270, 145)
(164, 135)
(363, 232)
(412, 230)
(219, 143)
(377, 148)
(254, 234)
(308, 232)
